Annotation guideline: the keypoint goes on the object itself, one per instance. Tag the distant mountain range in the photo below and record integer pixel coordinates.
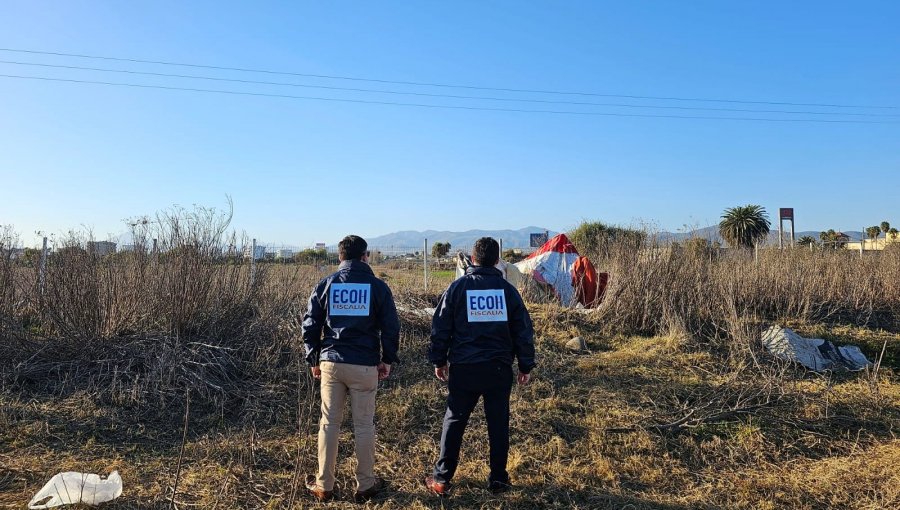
(413, 239)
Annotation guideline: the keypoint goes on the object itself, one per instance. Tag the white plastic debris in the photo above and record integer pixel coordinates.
(71, 487)
(813, 353)
(423, 312)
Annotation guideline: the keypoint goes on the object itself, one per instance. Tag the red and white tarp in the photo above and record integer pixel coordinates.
(571, 276)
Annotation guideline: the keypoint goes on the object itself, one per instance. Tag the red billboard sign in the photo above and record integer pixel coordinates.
(786, 213)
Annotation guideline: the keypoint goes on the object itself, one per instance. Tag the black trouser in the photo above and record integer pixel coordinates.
(493, 381)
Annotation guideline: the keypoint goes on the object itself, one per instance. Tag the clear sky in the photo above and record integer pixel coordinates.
(301, 171)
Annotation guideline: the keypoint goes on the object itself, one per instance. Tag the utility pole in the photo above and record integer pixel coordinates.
(253, 263)
(862, 242)
(425, 262)
(43, 271)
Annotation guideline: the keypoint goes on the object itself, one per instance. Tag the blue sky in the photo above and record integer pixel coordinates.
(302, 171)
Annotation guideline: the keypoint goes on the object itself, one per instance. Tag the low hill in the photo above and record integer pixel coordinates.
(413, 238)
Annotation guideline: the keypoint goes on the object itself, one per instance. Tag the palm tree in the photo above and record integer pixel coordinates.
(873, 231)
(893, 233)
(807, 241)
(885, 228)
(831, 239)
(743, 226)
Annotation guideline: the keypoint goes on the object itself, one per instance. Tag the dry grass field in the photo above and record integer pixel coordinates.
(673, 406)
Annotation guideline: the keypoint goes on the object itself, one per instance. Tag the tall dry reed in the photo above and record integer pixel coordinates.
(182, 310)
(656, 287)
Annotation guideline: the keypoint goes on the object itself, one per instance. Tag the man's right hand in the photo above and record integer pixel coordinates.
(316, 372)
(523, 378)
(441, 373)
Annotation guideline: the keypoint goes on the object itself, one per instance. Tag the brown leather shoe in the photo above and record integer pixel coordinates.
(371, 492)
(441, 489)
(316, 491)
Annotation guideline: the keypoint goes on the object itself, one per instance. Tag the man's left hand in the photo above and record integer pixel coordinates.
(523, 378)
(384, 371)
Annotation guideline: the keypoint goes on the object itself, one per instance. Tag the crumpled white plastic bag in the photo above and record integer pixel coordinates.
(72, 487)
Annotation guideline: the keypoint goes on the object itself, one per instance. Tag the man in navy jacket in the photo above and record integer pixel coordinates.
(479, 327)
(356, 312)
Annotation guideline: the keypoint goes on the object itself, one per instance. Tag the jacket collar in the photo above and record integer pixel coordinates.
(355, 265)
(484, 271)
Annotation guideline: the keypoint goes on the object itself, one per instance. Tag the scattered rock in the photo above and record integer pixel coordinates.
(576, 344)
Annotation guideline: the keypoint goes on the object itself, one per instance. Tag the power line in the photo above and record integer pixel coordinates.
(443, 85)
(435, 106)
(449, 96)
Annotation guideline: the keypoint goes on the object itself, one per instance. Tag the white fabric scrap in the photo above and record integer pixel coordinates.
(71, 488)
(814, 353)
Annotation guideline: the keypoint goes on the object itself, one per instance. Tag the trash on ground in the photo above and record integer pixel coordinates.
(421, 312)
(71, 487)
(814, 353)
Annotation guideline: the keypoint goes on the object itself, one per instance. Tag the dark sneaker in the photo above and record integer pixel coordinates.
(316, 491)
(371, 492)
(498, 487)
(441, 489)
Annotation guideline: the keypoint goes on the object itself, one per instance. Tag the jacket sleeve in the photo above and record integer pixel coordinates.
(313, 322)
(522, 332)
(442, 330)
(389, 325)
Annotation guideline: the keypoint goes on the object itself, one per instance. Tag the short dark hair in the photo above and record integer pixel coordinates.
(352, 247)
(486, 252)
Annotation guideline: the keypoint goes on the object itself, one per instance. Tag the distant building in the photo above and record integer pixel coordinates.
(284, 253)
(870, 244)
(127, 247)
(101, 248)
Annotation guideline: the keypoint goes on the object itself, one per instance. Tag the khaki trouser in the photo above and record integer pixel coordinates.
(361, 382)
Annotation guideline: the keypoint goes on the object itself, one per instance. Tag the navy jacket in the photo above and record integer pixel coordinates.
(357, 313)
(480, 318)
